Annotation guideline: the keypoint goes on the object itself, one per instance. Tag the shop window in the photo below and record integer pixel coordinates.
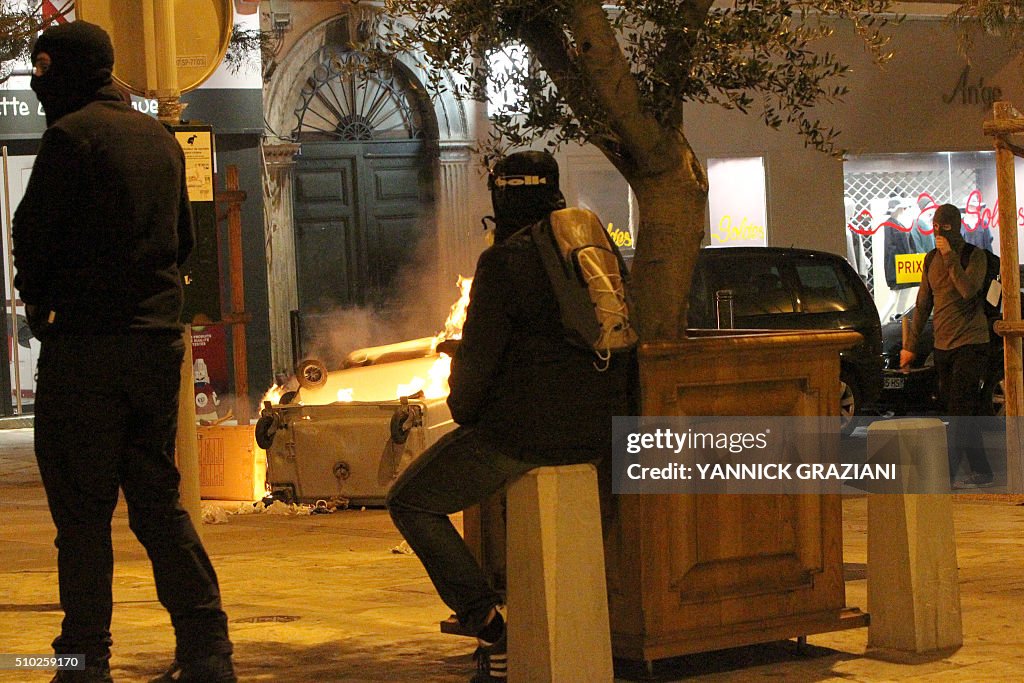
(890, 201)
(736, 203)
(606, 193)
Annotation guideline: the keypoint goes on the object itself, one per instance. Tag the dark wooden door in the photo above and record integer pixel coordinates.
(360, 216)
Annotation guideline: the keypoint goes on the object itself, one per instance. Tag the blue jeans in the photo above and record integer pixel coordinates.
(105, 418)
(461, 470)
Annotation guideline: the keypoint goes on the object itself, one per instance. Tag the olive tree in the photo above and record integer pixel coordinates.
(1000, 17)
(616, 77)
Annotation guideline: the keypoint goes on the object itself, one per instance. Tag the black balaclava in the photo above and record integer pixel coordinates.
(524, 189)
(949, 216)
(81, 63)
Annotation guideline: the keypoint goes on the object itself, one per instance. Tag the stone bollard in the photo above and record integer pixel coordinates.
(186, 446)
(557, 600)
(913, 593)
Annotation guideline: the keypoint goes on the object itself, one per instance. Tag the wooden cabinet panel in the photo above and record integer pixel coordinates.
(690, 573)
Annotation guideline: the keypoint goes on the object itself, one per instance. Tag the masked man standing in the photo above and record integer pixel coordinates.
(99, 238)
(951, 288)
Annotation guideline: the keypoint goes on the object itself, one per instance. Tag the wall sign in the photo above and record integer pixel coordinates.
(736, 202)
(969, 92)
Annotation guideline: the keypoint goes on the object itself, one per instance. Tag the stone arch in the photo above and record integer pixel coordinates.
(453, 123)
(450, 134)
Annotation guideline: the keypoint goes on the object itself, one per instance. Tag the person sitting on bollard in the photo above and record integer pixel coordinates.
(522, 395)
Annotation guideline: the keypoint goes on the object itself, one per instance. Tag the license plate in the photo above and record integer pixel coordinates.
(896, 382)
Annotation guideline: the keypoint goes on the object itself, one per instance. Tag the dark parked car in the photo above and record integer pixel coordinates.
(779, 288)
(917, 390)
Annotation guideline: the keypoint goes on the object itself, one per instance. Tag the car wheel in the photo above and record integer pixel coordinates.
(994, 397)
(849, 401)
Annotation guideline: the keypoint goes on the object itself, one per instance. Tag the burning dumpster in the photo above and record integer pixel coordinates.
(348, 433)
(352, 449)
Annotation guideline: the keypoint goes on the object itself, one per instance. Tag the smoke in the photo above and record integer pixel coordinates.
(416, 304)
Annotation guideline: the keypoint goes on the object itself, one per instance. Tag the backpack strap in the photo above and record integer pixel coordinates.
(965, 255)
(927, 260)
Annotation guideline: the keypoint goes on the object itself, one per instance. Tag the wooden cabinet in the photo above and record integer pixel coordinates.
(691, 573)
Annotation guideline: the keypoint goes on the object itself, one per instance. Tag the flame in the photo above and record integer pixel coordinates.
(273, 395)
(438, 373)
(435, 384)
(457, 315)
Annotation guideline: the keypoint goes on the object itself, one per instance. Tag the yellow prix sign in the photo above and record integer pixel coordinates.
(909, 268)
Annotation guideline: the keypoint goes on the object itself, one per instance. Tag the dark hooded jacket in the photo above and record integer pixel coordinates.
(514, 376)
(105, 222)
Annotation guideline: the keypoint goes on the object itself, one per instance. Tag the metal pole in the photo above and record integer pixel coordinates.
(15, 351)
(160, 34)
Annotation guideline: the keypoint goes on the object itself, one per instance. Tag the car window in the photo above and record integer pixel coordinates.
(823, 288)
(757, 286)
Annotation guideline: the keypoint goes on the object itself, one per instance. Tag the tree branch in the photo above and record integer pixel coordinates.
(552, 49)
(615, 89)
(694, 13)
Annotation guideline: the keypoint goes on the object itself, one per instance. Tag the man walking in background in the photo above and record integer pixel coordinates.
(951, 288)
(99, 238)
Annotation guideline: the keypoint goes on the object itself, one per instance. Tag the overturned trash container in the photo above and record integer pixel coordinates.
(349, 433)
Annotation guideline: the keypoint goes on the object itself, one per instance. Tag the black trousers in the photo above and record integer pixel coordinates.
(960, 373)
(105, 418)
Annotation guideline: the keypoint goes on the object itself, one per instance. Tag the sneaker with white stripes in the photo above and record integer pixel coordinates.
(492, 661)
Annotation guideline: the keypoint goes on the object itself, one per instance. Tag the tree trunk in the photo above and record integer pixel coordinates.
(671, 206)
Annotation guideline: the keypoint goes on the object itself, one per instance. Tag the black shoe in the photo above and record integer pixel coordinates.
(974, 481)
(492, 662)
(90, 674)
(212, 669)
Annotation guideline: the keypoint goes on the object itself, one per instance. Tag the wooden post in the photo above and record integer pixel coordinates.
(1006, 121)
(238, 319)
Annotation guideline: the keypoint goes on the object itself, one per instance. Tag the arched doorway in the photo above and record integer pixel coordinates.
(363, 203)
(449, 184)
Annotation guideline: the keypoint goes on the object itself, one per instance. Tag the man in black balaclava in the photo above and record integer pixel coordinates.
(953, 276)
(72, 62)
(524, 190)
(522, 395)
(101, 233)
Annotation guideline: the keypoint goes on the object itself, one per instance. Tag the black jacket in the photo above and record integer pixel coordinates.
(105, 223)
(516, 378)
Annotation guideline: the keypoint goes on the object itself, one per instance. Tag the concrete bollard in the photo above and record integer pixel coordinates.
(186, 446)
(913, 590)
(557, 599)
